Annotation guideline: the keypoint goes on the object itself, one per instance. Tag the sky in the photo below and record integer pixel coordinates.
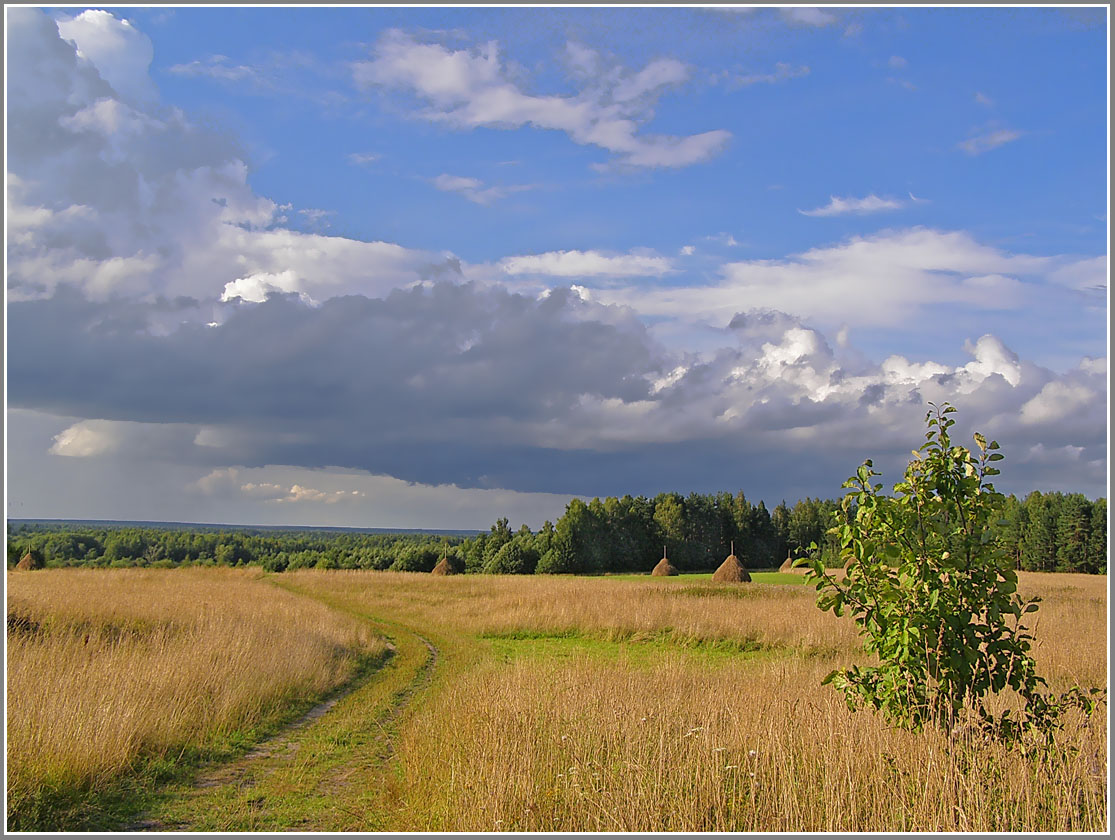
(427, 267)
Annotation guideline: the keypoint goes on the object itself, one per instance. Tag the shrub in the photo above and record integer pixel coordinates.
(936, 597)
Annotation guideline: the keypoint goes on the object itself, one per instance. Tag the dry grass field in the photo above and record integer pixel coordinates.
(111, 668)
(648, 706)
(572, 704)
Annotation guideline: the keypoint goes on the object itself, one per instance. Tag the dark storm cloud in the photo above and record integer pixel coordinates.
(484, 388)
(354, 375)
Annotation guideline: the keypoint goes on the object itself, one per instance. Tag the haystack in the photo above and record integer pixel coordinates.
(30, 562)
(731, 570)
(664, 568)
(788, 566)
(443, 567)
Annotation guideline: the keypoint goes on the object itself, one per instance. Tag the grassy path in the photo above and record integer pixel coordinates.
(330, 771)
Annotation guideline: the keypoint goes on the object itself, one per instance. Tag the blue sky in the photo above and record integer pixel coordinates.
(426, 267)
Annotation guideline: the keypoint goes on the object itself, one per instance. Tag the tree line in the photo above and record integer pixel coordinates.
(72, 544)
(1042, 532)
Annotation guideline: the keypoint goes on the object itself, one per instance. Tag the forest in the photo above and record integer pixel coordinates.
(1043, 532)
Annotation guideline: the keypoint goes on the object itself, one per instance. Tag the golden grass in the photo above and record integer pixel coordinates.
(585, 746)
(659, 737)
(762, 614)
(757, 744)
(106, 667)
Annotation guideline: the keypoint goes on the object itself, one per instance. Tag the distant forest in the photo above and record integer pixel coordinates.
(1043, 532)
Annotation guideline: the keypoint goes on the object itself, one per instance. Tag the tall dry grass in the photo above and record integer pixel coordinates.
(592, 746)
(108, 667)
(758, 614)
(757, 744)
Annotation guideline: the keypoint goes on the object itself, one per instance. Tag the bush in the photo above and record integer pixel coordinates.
(935, 596)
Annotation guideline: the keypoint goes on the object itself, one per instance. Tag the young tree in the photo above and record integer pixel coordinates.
(935, 596)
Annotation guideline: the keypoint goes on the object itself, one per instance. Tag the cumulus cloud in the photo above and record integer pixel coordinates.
(119, 51)
(473, 88)
(842, 206)
(1056, 401)
(122, 198)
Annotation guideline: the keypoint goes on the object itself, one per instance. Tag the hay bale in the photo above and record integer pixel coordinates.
(731, 571)
(664, 568)
(788, 567)
(443, 567)
(30, 562)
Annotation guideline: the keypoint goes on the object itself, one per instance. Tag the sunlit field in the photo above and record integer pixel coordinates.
(652, 706)
(110, 669)
(556, 704)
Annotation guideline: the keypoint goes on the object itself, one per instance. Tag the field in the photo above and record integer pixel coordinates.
(136, 699)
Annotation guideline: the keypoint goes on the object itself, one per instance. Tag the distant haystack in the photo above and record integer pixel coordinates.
(443, 567)
(788, 567)
(664, 568)
(30, 562)
(731, 570)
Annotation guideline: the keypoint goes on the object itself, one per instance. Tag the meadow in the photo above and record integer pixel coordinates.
(517, 703)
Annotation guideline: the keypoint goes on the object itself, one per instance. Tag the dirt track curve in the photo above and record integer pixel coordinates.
(242, 785)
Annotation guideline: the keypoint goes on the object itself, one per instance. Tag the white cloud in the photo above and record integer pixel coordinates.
(217, 482)
(992, 357)
(123, 438)
(1085, 275)
(897, 62)
(809, 16)
(583, 62)
(218, 67)
(1057, 401)
(841, 206)
(985, 142)
(865, 280)
(782, 72)
(119, 51)
(166, 208)
(317, 217)
(87, 439)
(658, 74)
(273, 493)
(363, 158)
(474, 190)
(985, 100)
(256, 287)
(587, 264)
(377, 500)
(471, 88)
